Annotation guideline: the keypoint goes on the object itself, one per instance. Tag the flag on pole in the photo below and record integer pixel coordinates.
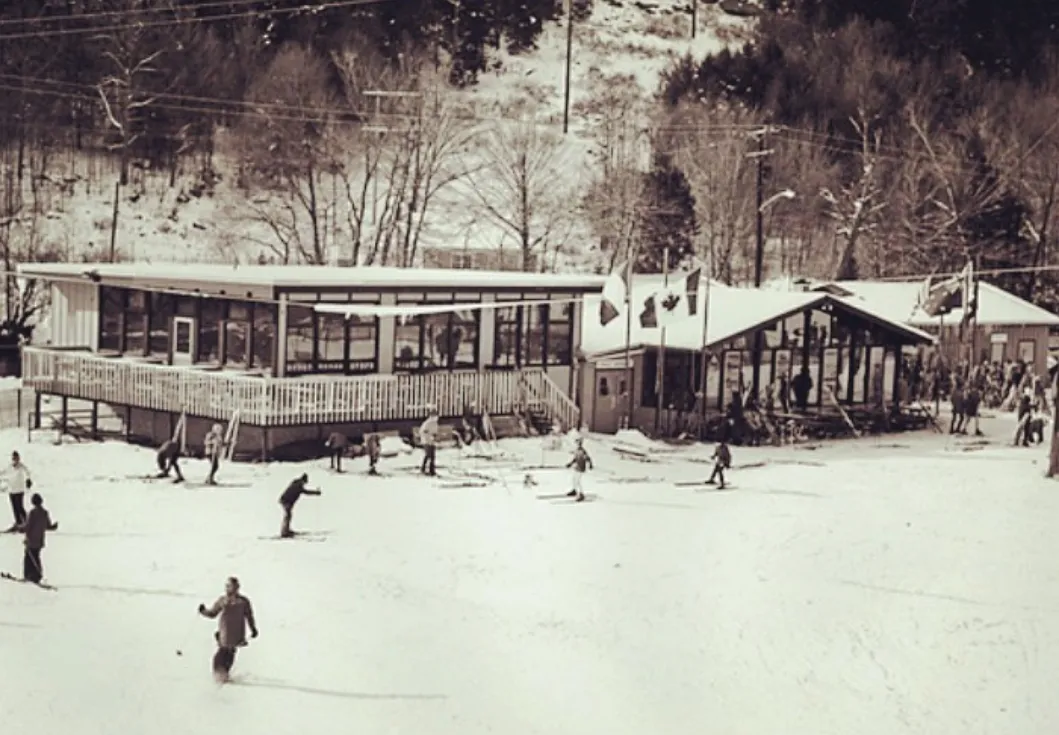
(691, 291)
(943, 297)
(649, 315)
(969, 297)
(615, 293)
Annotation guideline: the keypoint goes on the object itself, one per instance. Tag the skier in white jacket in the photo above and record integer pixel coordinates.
(18, 482)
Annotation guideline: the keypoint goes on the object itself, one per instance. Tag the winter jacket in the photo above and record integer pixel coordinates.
(213, 444)
(235, 612)
(723, 455)
(169, 451)
(337, 442)
(581, 461)
(428, 432)
(294, 491)
(37, 523)
(373, 446)
(18, 479)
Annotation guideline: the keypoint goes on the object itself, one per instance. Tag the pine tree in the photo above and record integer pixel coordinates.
(668, 218)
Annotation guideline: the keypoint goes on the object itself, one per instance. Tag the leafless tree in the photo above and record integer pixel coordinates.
(287, 148)
(523, 185)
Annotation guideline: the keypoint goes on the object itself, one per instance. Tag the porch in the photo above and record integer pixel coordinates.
(212, 393)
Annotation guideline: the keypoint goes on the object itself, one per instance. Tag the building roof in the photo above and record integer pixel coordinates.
(732, 313)
(190, 276)
(899, 301)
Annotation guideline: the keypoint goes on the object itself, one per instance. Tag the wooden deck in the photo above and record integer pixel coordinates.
(269, 402)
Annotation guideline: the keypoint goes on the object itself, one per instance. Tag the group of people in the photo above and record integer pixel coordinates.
(214, 444)
(33, 524)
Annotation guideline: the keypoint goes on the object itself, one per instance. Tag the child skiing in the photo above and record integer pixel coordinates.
(428, 439)
(38, 522)
(287, 500)
(214, 445)
(18, 482)
(337, 444)
(722, 457)
(373, 447)
(168, 454)
(235, 613)
(580, 463)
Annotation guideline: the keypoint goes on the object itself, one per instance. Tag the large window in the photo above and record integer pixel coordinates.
(535, 333)
(112, 319)
(264, 336)
(237, 334)
(329, 343)
(363, 344)
(136, 323)
(210, 320)
(442, 341)
(162, 310)
(300, 338)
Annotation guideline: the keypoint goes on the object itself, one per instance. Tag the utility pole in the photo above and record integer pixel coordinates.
(694, 17)
(114, 221)
(569, 54)
(759, 257)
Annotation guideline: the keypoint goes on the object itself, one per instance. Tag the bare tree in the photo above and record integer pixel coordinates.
(523, 185)
(287, 147)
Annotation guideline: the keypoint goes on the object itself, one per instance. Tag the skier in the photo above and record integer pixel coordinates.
(580, 463)
(337, 444)
(18, 482)
(373, 447)
(428, 439)
(972, 400)
(722, 460)
(287, 500)
(214, 445)
(38, 521)
(235, 613)
(958, 408)
(168, 454)
(800, 386)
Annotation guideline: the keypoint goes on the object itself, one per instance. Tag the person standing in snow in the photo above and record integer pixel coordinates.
(580, 464)
(234, 613)
(38, 522)
(373, 448)
(337, 444)
(722, 460)
(287, 500)
(18, 482)
(428, 439)
(168, 454)
(214, 445)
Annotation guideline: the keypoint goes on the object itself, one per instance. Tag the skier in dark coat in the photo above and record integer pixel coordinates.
(800, 386)
(168, 454)
(337, 445)
(236, 614)
(287, 500)
(37, 523)
(373, 448)
(722, 460)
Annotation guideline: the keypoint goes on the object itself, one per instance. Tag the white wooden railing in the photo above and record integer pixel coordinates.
(266, 401)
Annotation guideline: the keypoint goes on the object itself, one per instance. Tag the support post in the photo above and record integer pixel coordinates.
(128, 423)
(64, 414)
(36, 409)
(114, 221)
(95, 421)
(694, 18)
(569, 54)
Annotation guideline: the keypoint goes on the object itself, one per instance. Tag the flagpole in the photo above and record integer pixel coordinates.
(974, 315)
(628, 340)
(660, 370)
(705, 345)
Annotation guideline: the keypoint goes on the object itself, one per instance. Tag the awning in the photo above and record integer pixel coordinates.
(376, 310)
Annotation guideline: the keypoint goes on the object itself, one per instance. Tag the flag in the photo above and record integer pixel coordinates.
(969, 299)
(691, 291)
(615, 293)
(943, 297)
(649, 315)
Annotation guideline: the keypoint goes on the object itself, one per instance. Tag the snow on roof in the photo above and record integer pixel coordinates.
(732, 312)
(375, 277)
(898, 300)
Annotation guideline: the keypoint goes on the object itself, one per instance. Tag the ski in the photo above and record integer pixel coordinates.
(589, 498)
(218, 485)
(12, 578)
(298, 536)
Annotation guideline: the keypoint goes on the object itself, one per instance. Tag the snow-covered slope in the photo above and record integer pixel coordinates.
(859, 588)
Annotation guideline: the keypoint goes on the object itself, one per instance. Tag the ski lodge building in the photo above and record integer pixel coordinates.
(292, 353)
(1006, 326)
(850, 350)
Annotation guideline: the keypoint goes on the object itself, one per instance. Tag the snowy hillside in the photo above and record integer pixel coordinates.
(865, 587)
(218, 220)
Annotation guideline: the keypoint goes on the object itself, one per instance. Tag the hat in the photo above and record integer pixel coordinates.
(36, 499)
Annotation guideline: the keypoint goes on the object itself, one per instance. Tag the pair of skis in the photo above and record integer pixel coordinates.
(12, 578)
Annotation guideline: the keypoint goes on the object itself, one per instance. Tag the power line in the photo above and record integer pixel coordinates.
(140, 25)
(126, 13)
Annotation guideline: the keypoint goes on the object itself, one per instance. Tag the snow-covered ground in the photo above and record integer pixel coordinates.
(894, 585)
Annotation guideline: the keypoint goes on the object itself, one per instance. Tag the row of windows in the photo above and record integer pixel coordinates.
(242, 334)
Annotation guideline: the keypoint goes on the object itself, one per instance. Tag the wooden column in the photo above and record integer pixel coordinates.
(36, 409)
(64, 413)
(95, 421)
(897, 376)
(852, 372)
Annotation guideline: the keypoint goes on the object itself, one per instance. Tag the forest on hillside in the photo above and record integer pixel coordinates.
(906, 136)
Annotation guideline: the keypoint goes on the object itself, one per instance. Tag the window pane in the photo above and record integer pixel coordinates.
(437, 342)
(162, 308)
(331, 348)
(264, 335)
(406, 343)
(185, 305)
(238, 311)
(111, 318)
(299, 339)
(560, 332)
(362, 336)
(464, 337)
(235, 343)
(536, 317)
(209, 331)
(136, 323)
(505, 338)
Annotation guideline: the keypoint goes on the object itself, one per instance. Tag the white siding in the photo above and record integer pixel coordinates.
(387, 336)
(75, 315)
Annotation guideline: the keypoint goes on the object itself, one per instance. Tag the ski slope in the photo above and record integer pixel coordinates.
(860, 588)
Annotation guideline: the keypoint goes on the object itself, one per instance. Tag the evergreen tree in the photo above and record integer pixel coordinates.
(667, 219)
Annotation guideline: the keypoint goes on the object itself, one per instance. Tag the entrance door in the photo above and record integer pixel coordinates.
(609, 404)
(184, 333)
